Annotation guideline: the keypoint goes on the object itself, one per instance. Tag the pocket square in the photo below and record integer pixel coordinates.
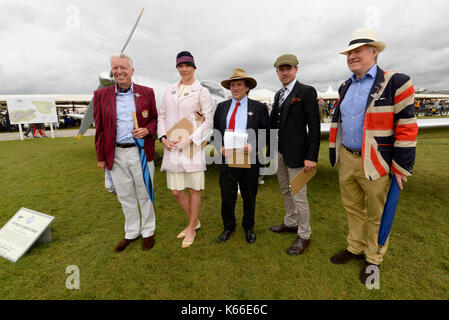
(294, 100)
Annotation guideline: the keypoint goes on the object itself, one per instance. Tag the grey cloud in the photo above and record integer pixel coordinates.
(42, 54)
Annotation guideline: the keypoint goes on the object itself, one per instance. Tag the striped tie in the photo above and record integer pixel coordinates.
(281, 95)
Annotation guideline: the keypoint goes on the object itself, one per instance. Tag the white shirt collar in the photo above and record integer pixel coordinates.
(290, 86)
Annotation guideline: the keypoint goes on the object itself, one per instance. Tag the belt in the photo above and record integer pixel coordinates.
(354, 152)
(125, 145)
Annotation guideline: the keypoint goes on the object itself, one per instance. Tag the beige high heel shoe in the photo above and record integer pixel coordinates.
(182, 234)
(186, 244)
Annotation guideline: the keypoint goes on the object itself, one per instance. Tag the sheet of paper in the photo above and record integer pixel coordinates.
(235, 140)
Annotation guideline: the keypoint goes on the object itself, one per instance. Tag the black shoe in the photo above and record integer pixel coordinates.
(225, 235)
(250, 236)
(365, 274)
(345, 256)
(284, 228)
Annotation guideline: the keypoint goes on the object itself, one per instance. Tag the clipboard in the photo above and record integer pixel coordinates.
(301, 179)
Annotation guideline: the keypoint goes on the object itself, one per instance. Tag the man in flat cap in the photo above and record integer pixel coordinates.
(296, 116)
(373, 137)
(239, 114)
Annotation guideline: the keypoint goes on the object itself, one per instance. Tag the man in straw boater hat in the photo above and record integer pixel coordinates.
(239, 114)
(373, 137)
(296, 116)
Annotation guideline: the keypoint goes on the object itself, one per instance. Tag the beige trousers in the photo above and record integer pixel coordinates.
(297, 212)
(364, 201)
(131, 191)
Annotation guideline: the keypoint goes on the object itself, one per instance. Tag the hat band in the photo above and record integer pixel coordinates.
(238, 77)
(360, 41)
(185, 59)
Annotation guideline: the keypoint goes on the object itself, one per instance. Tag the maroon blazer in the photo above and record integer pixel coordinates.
(105, 117)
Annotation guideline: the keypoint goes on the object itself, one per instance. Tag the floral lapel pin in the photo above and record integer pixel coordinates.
(295, 100)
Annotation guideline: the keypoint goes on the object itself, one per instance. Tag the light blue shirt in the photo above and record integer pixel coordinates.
(241, 117)
(125, 106)
(353, 109)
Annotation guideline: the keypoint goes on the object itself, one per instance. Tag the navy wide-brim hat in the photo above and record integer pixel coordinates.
(185, 57)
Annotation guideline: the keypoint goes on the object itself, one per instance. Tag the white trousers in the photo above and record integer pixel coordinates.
(297, 212)
(127, 177)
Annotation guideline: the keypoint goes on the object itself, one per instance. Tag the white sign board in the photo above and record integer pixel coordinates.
(22, 231)
(32, 110)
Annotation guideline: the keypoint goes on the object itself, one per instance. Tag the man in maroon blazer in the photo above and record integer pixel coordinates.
(114, 143)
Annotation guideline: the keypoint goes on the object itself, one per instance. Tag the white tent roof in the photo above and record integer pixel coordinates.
(264, 95)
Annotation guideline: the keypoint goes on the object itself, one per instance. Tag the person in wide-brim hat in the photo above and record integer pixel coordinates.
(239, 74)
(362, 37)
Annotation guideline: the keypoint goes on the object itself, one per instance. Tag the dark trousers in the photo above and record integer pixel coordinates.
(248, 189)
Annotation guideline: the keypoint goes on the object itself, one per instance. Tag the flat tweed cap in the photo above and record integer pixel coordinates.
(286, 59)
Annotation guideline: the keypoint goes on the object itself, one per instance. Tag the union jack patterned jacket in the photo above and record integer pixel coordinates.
(389, 130)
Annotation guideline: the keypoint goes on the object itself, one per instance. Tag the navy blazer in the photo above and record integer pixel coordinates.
(299, 125)
(257, 120)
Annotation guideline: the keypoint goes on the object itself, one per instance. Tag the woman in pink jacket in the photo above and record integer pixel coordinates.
(186, 98)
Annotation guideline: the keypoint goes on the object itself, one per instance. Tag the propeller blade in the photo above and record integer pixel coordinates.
(89, 116)
(132, 31)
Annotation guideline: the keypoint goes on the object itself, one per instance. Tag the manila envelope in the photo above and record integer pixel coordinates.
(239, 159)
(301, 179)
(182, 130)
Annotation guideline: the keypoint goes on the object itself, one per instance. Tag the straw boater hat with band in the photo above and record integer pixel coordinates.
(239, 74)
(362, 37)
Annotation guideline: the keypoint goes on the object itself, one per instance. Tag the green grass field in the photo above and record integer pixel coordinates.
(59, 177)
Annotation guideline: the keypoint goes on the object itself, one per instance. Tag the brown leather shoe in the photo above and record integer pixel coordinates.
(364, 274)
(345, 256)
(298, 246)
(123, 244)
(284, 228)
(148, 243)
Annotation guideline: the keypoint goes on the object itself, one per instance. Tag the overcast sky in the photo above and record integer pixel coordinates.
(51, 47)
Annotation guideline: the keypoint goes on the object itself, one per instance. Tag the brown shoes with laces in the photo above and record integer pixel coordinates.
(148, 243)
(365, 273)
(284, 228)
(298, 246)
(345, 256)
(123, 244)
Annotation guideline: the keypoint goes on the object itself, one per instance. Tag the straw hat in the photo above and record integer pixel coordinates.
(239, 74)
(361, 37)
